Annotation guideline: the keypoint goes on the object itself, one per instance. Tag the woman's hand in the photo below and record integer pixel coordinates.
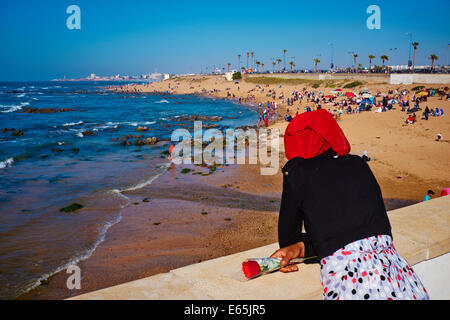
(296, 250)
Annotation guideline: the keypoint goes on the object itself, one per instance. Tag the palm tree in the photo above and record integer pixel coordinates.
(284, 52)
(316, 61)
(248, 53)
(371, 56)
(279, 61)
(273, 67)
(257, 66)
(239, 62)
(292, 64)
(252, 53)
(384, 58)
(355, 56)
(228, 64)
(415, 45)
(262, 67)
(433, 57)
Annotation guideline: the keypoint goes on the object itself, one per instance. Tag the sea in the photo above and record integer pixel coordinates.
(51, 160)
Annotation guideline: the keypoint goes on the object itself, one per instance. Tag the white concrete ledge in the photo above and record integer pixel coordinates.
(420, 232)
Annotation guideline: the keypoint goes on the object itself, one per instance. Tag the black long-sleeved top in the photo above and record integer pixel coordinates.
(336, 198)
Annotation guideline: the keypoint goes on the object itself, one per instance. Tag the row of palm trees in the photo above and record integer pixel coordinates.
(371, 57)
(260, 64)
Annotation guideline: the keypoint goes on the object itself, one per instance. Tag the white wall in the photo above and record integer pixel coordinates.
(435, 277)
(419, 78)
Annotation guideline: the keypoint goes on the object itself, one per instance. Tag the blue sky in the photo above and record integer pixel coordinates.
(137, 36)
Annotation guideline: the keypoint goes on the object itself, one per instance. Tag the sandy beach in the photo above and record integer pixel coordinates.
(183, 218)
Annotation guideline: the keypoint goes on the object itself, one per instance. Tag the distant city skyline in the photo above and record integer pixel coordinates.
(177, 37)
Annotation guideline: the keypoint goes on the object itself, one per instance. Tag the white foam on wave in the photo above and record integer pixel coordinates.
(76, 259)
(162, 101)
(130, 123)
(69, 124)
(149, 181)
(6, 163)
(13, 108)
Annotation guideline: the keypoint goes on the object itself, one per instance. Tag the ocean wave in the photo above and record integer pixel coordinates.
(162, 101)
(6, 163)
(13, 108)
(76, 259)
(130, 123)
(142, 184)
(69, 124)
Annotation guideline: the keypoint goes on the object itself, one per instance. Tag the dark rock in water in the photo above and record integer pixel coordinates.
(89, 133)
(14, 91)
(146, 200)
(17, 133)
(147, 141)
(141, 129)
(71, 208)
(197, 117)
(125, 138)
(46, 110)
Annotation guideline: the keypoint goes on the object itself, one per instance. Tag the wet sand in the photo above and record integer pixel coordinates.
(181, 219)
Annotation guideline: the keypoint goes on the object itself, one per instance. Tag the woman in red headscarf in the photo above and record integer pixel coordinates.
(337, 199)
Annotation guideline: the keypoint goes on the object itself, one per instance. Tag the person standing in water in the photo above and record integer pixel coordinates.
(350, 235)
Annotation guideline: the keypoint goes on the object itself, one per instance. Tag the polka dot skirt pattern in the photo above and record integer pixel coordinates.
(369, 269)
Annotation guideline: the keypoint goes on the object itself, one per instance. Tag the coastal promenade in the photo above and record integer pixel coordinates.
(421, 235)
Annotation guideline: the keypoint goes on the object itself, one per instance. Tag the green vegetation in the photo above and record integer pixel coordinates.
(237, 75)
(185, 170)
(418, 88)
(353, 84)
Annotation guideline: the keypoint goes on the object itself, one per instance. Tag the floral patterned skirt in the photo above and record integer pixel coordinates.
(372, 269)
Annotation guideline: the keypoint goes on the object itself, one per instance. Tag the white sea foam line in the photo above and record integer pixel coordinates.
(6, 163)
(13, 108)
(72, 123)
(74, 260)
(149, 181)
(162, 101)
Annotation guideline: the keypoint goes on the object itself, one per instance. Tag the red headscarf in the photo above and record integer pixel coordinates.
(312, 133)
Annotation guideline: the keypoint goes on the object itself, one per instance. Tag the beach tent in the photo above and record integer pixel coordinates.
(421, 94)
(367, 95)
(350, 94)
(368, 100)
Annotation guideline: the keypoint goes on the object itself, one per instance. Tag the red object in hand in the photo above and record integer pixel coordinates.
(251, 269)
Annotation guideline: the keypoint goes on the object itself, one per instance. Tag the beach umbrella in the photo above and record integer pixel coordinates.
(367, 95)
(338, 89)
(329, 96)
(350, 94)
(421, 94)
(445, 192)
